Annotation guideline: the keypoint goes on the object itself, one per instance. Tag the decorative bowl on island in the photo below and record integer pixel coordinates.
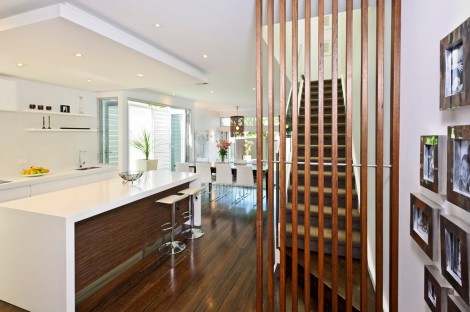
(130, 176)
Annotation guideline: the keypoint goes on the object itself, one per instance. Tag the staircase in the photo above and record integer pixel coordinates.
(327, 177)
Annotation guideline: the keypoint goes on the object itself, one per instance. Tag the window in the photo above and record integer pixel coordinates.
(108, 131)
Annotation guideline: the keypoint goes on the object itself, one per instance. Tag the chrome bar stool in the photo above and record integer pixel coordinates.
(172, 247)
(192, 232)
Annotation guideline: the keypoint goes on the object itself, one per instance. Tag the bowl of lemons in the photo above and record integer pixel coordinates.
(34, 171)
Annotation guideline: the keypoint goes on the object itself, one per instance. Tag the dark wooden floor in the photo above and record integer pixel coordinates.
(216, 272)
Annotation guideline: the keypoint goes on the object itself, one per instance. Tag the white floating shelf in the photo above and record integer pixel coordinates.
(46, 112)
(60, 130)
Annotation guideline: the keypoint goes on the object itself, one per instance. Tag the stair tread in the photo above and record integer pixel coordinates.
(326, 190)
(327, 210)
(356, 235)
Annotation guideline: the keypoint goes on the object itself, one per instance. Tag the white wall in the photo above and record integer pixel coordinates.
(55, 150)
(425, 23)
(208, 120)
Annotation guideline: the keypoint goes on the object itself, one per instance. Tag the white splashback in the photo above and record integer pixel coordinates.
(55, 150)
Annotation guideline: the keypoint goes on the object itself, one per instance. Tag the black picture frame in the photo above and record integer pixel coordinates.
(432, 165)
(455, 239)
(455, 68)
(456, 304)
(458, 166)
(436, 289)
(65, 108)
(424, 224)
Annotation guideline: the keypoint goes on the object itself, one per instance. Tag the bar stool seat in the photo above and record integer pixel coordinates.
(192, 232)
(172, 247)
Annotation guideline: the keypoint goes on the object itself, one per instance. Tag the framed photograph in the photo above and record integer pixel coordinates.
(455, 239)
(436, 289)
(458, 166)
(432, 173)
(65, 108)
(455, 68)
(456, 304)
(424, 224)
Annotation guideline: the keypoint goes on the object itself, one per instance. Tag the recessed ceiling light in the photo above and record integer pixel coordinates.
(205, 56)
(78, 54)
(254, 89)
(157, 25)
(19, 64)
(140, 75)
(173, 94)
(89, 80)
(212, 91)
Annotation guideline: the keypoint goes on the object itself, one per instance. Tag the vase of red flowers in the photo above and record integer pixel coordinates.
(223, 146)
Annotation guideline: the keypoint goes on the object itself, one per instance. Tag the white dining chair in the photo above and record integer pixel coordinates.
(202, 159)
(205, 174)
(223, 178)
(240, 162)
(245, 180)
(182, 167)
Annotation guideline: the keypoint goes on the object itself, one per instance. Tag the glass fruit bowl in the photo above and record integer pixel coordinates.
(130, 176)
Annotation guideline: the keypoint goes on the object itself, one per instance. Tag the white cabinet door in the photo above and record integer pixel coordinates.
(8, 95)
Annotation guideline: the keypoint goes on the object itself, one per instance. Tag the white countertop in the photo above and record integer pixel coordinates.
(81, 202)
(20, 180)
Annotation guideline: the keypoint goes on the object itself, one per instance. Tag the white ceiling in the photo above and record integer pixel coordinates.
(224, 30)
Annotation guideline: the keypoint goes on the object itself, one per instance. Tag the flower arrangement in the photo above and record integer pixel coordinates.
(223, 146)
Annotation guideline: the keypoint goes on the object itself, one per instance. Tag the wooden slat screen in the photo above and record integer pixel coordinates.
(314, 99)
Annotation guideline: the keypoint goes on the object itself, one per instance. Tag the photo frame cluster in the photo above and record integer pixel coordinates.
(432, 154)
(436, 289)
(458, 166)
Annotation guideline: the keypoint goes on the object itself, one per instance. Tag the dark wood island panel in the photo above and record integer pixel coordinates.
(108, 240)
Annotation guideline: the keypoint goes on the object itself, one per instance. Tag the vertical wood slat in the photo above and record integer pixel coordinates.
(270, 182)
(259, 151)
(334, 214)
(320, 147)
(295, 126)
(379, 156)
(282, 165)
(395, 151)
(307, 142)
(349, 103)
(364, 146)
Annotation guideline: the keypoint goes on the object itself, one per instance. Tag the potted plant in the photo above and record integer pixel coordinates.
(223, 146)
(248, 144)
(144, 144)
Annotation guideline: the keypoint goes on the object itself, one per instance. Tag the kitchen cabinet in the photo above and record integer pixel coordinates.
(8, 95)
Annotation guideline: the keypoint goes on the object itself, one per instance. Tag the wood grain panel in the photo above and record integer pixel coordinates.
(334, 216)
(282, 165)
(105, 241)
(321, 70)
(395, 151)
(270, 184)
(364, 148)
(295, 152)
(307, 141)
(349, 169)
(379, 175)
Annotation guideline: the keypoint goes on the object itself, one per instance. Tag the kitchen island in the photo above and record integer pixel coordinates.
(58, 244)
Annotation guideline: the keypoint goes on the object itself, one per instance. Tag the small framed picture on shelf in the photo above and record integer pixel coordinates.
(455, 68)
(65, 108)
(432, 173)
(458, 166)
(424, 224)
(456, 304)
(455, 239)
(436, 289)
